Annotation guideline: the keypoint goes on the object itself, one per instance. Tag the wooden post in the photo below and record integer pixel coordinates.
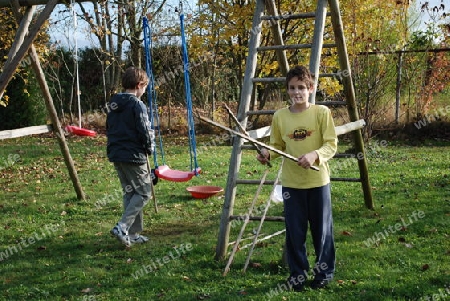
(8, 70)
(236, 155)
(52, 112)
(277, 36)
(22, 31)
(398, 86)
(349, 92)
(317, 44)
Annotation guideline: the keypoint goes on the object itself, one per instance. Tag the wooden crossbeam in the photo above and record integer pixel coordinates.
(31, 130)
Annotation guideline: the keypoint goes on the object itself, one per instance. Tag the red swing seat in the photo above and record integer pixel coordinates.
(80, 131)
(164, 172)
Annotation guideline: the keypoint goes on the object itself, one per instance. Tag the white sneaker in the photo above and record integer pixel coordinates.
(138, 239)
(121, 235)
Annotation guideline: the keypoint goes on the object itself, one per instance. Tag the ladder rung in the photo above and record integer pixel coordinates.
(292, 17)
(268, 79)
(262, 112)
(346, 179)
(248, 147)
(324, 103)
(336, 75)
(344, 156)
(336, 156)
(332, 103)
(291, 46)
(258, 218)
(267, 182)
(282, 79)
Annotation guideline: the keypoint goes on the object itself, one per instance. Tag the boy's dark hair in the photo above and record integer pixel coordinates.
(132, 77)
(302, 73)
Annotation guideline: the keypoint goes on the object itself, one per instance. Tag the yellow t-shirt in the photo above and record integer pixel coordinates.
(301, 133)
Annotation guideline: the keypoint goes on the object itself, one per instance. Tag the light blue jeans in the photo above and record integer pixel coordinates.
(135, 180)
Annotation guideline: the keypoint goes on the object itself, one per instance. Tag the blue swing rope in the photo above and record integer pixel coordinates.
(187, 87)
(151, 94)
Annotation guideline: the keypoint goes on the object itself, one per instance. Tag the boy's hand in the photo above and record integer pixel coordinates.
(307, 160)
(264, 156)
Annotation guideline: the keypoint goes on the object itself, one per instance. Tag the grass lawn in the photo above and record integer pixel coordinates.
(55, 247)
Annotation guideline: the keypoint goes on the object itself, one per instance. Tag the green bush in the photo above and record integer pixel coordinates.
(26, 106)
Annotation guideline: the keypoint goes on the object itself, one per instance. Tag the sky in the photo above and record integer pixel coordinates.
(433, 3)
(76, 35)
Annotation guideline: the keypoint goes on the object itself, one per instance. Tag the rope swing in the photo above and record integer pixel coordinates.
(163, 171)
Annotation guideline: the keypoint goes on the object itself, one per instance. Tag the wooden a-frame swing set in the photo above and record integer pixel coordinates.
(23, 45)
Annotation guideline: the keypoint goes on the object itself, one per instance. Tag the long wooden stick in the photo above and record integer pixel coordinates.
(266, 208)
(254, 141)
(258, 148)
(264, 238)
(247, 219)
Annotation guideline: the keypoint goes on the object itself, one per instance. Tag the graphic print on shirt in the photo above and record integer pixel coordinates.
(300, 134)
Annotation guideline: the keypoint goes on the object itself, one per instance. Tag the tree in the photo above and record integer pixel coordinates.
(22, 104)
(113, 23)
(375, 30)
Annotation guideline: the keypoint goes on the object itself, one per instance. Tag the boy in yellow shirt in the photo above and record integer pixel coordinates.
(307, 132)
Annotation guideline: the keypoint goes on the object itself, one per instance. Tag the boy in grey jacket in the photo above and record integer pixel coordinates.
(129, 144)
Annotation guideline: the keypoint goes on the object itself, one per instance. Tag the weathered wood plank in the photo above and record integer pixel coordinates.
(31, 130)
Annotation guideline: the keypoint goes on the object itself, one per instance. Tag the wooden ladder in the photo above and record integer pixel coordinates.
(280, 49)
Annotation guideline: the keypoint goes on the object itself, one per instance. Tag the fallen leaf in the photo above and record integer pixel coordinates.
(242, 293)
(256, 265)
(86, 290)
(347, 233)
(340, 281)
(354, 282)
(63, 213)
